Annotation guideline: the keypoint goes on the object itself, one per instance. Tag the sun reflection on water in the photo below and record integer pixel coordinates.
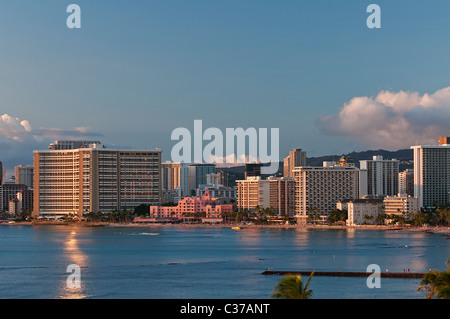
(74, 255)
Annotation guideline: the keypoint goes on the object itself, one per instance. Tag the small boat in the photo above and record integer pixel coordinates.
(236, 228)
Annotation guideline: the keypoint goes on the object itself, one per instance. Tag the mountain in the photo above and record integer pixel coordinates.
(405, 157)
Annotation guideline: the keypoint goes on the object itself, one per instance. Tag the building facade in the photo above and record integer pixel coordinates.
(170, 176)
(382, 176)
(275, 193)
(95, 179)
(364, 211)
(432, 173)
(318, 189)
(24, 175)
(2, 174)
(196, 175)
(296, 158)
(406, 182)
(9, 191)
(71, 145)
(189, 206)
(401, 205)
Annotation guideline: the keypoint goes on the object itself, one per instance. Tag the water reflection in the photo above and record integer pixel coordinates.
(74, 256)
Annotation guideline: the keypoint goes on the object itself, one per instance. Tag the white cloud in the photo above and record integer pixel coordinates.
(18, 130)
(392, 120)
(18, 139)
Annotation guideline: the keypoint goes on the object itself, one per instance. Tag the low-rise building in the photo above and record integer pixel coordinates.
(189, 206)
(401, 205)
(364, 211)
(277, 193)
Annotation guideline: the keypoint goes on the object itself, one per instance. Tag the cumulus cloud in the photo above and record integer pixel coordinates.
(18, 130)
(392, 120)
(13, 127)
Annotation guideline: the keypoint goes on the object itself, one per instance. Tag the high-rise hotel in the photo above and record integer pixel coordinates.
(432, 172)
(318, 189)
(296, 158)
(93, 178)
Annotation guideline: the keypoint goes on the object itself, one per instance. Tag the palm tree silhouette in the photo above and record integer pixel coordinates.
(292, 287)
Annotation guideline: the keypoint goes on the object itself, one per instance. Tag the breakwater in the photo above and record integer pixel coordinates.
(346, 274)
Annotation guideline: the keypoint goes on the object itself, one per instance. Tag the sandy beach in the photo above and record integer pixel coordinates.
(445, 231)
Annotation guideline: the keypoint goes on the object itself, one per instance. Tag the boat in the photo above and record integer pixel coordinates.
(236, 228)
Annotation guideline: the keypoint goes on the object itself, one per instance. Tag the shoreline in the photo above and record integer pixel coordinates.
(445, 231)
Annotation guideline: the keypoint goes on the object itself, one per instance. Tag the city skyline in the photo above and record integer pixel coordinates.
(132, 74)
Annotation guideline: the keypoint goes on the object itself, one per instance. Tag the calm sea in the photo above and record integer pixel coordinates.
(207, 263)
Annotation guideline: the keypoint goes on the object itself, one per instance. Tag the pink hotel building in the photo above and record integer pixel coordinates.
(192, 205)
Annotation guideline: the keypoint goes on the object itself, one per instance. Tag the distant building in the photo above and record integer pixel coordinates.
(318, 189)
(253, 169)
(346, 161)
(193, 175)
(364, 211)
(275, 192)
(296, 158)
(15, 206)
(217, 191)
(329, 163)
(172, 196)
(24, 175)
(382, 176)
(9, 191)
(343, 204)
(432, 173)
(189, 206)
(170, 175)
(223, 178)
(2, 174)
(401, 205)
(71, 145)
(406, 182)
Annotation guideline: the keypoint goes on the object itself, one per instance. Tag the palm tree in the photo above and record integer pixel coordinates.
(292, 287)
(436, 283)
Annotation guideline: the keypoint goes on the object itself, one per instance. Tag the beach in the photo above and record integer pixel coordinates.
(445, 231)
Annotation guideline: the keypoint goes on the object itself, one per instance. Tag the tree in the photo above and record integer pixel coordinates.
(337, 215)
(292, 287)
(142, 210)
(436, 283)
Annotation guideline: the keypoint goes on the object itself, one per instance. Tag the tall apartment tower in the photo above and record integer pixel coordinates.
(432, 172)
(253, 169)
(382, 176)
(2, 174)
(95, 179)
(318, 189)
(406, 182)
(193, 175)
(296, 158)
(170, 175)
(9, 191)
(274, 192)
(24, 175)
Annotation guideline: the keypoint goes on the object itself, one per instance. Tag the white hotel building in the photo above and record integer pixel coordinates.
(93, 179)
(432, 172)
(318, 189)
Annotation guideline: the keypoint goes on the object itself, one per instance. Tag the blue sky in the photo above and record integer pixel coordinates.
(136, 70)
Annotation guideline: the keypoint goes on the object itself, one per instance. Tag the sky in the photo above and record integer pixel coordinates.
(137, 70)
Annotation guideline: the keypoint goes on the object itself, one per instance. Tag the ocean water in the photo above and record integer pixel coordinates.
(207, 263)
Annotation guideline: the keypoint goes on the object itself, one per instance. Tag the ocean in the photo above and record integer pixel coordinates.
(165, 262)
